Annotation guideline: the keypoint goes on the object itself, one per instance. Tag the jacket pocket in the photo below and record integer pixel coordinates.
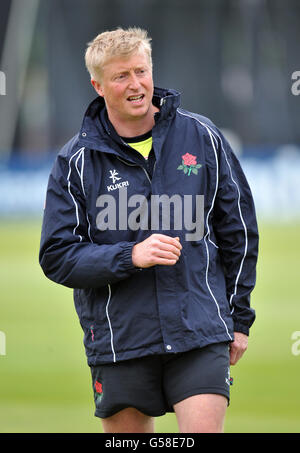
(92, 306)
(196, 253)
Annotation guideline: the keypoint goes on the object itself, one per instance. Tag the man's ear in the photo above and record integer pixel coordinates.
(97, 87)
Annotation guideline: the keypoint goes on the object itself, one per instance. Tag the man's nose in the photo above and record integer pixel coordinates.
(134, 83)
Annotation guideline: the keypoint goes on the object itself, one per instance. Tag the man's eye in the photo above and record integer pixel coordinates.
(120, 76)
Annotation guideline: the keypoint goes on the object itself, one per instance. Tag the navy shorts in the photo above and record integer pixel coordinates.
(153, 384)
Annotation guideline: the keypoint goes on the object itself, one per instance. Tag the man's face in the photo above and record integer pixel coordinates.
(127, 87)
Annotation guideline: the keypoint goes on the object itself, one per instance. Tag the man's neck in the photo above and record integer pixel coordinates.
(134, 127)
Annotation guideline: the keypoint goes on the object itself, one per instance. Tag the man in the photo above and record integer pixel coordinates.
(150, 219)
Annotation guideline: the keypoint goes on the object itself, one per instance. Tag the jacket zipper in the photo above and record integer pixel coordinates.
(136, 165)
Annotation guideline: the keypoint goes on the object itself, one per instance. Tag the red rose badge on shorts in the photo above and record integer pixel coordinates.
(98, 387)
(189, 164)
(98, 392)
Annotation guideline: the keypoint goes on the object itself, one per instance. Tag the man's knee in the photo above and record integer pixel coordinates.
(201, 413)
(129, 420)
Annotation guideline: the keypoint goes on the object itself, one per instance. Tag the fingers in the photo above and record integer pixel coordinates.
(171, 246)
(162, 239)
(157, 249)
(238, 347)
(234, 356)
(166, 247)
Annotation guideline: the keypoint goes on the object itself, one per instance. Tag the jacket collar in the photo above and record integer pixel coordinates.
(95, 132)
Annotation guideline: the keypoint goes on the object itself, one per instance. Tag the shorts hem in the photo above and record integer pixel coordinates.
(201, 391)
(109, 413)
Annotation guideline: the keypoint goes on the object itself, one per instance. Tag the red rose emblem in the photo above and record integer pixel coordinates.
(98, 387)
(189, 164)
(189, 159)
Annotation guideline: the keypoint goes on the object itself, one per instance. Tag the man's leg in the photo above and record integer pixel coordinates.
(128, 420)
(201, 413)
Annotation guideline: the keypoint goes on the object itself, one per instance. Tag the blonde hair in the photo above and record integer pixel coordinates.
(115, 43)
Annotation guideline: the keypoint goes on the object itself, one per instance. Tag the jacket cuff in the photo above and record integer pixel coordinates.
(127, 256)
(242, 328)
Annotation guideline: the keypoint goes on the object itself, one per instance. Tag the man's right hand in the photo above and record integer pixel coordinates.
(156, 249)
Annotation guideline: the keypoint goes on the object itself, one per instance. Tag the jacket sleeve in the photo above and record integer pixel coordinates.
(235, 227)
(67, 254)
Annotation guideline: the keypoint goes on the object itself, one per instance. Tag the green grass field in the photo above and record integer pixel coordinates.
(45, 384)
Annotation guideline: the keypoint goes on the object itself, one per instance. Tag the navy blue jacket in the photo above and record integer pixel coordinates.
(127, 312)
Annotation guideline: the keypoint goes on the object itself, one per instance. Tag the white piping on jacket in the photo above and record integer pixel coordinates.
(207, 217)
(80, 153)
(109, 323)
(69, 190)
(242, 221)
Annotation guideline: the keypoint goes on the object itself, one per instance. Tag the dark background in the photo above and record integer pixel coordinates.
(232, 60)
